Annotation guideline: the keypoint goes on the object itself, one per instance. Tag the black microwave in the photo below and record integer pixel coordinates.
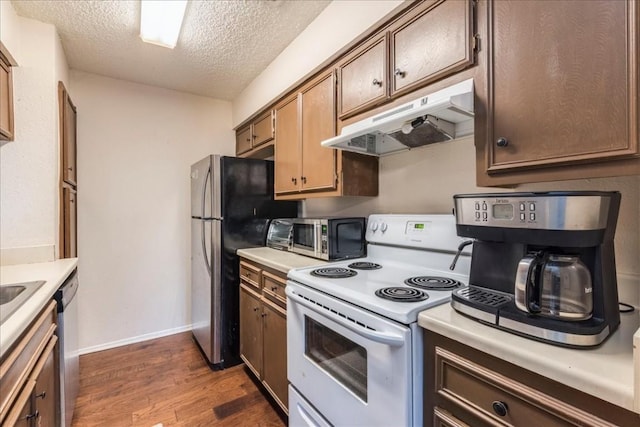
(329, 238)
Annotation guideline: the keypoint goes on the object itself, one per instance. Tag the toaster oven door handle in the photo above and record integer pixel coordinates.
(387, 338)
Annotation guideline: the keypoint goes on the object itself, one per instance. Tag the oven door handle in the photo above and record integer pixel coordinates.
(387, 338)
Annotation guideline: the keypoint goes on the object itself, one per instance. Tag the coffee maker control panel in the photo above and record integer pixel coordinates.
(548, 211)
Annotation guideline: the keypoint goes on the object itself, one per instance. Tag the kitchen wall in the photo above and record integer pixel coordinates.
(336, 26)
(29, 164)
(135, 147)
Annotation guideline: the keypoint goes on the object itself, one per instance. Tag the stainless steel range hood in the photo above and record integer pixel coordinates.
(442, 116)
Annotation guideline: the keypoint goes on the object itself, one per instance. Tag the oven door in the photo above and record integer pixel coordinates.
(354, 367)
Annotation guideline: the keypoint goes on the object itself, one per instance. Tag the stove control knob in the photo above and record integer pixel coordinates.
(374, 226)
(383, 227)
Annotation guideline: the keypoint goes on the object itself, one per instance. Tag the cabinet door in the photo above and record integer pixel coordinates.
(69, 223)
(275, 352)
(22, 413)
(362, 79)
(243, 140)
(563, 82)
(45, 396)
(251, 330)
(433, 44)
(287, 152)
(6, 101)
(318, 121)
(262, 130)
(68, 135)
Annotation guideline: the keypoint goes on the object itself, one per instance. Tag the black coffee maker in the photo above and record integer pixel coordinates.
(543, 264)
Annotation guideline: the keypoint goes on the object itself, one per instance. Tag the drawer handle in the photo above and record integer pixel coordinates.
(274, 288)
(41, 395)
(34, 415)
(376, 82)
(500, 408)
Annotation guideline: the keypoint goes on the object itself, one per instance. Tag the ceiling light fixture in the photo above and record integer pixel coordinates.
(160, 21)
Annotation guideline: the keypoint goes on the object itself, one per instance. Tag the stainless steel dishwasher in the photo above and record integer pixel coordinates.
(69, 358)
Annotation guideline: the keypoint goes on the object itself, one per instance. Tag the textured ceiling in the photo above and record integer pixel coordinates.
(223, 45)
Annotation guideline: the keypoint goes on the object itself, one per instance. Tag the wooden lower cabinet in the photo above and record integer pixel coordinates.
(464, 386)
(263, 328)
(29, 376)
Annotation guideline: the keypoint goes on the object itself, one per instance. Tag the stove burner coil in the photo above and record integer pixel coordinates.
(433, 283)
(364, 265)
(402, 294)
(334, 272)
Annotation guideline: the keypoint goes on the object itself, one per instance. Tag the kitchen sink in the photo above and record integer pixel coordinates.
(13, 295)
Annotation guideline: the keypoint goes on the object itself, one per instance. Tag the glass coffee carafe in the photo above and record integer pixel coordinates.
(556, 286)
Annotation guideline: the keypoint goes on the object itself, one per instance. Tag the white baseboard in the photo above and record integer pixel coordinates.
(133, 340)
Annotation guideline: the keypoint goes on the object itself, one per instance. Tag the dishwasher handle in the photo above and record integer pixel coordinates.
(65, 294)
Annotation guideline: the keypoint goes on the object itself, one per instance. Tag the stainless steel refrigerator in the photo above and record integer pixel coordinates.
(231, 205)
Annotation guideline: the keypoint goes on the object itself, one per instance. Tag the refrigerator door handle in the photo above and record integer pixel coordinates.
(205, 253)
(204, 193)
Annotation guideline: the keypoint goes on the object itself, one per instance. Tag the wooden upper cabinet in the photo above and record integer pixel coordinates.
(243, 140)
(562, 86)
(255, 135)
(68, 118)
(6, 94)
(433, 41)
(302, 122)
(287, 147)
(263, 130)
(363, 77)
(318, 121)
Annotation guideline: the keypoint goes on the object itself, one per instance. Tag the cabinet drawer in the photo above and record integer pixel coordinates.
(16, 367)
(442, 418)
(273, 287)
(499, 400)
(250, 274)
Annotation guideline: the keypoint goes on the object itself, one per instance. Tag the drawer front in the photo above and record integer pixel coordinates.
(250, 274)
(15, 369)
(442, 418)
(273, 287)
(500, 400)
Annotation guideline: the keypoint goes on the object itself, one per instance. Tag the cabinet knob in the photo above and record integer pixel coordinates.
(398, 72)
(34, 415)
(294, 180)
(264, 314)
(304, 179)
(248, 139)
(502, 142)
(500, 408)
(41, 395)
(256, 308)
(274, 288)
(377, 82)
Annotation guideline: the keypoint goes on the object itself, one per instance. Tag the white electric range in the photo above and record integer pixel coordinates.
(353, 345)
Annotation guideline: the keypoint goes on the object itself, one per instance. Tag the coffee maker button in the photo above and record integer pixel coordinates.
(532, 216)
(532, 207)
(522, 217)
(522, 207)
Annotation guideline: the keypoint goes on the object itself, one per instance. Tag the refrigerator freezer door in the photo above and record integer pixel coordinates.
(205, 188)
(206, 283)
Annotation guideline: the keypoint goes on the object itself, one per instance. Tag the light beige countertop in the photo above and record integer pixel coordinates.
(282, 261)
(606, 372)
(53, 273)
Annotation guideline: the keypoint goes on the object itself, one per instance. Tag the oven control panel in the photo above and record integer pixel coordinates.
(420, 231)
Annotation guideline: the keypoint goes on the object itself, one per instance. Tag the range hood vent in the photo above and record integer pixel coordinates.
(442, 116)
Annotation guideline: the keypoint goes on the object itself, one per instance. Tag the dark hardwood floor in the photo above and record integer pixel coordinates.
(166, 381)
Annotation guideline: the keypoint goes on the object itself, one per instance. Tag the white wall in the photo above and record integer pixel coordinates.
(338, 24)
(29, 164)
(135, 147)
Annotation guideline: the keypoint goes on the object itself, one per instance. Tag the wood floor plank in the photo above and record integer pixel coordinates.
(167, 381)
